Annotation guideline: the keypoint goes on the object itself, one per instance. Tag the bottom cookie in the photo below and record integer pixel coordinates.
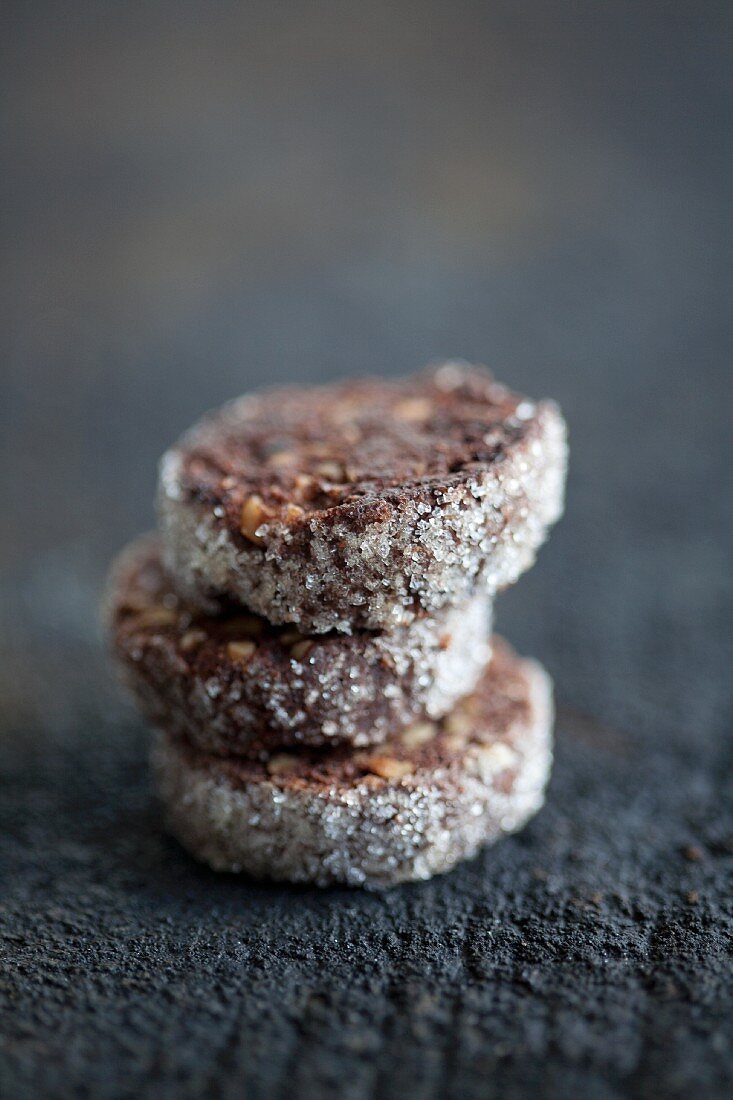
(409, 809)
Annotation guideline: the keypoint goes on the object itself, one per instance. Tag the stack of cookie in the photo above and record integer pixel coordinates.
(310, 631)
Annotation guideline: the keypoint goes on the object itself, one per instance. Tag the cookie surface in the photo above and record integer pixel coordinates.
(411, 809)
(362, 503)
(235, 684)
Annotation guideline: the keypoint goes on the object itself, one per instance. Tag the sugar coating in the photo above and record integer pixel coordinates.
(369, 834)
(376, 563)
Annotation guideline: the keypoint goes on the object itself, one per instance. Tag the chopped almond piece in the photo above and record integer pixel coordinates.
(301, 649)
(331, 471)
(418, 734)
(156, 616)
(191, 640)
(388, 767)
(254, 514)
(241, 651)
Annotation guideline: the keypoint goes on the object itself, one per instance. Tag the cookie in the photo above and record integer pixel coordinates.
(365, 503)
(235, 684)
(408, 810)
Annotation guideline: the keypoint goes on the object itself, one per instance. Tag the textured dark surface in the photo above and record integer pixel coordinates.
(201, 199)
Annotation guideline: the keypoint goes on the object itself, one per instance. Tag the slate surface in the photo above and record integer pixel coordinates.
(201, 199)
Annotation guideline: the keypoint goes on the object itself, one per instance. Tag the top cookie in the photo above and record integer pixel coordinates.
(362, 503)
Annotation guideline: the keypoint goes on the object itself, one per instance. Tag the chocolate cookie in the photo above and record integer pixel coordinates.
(364, 503)
(413, 808)
(235, 684)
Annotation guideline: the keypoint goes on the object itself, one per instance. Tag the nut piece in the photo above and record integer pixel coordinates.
(293, 512)
(413, 408)
(254, 514)
(156, 616)
(331, 471)
(387, 767)
(301, 649)
(459, 727)
(459, 723)
(241, 651)
(304, 482)
(191, 640)
(281, 763)
(491, 759)
(418, 734)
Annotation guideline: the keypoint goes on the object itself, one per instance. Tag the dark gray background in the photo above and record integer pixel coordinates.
(202, 198)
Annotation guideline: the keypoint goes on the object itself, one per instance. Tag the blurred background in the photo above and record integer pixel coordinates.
(202, 198)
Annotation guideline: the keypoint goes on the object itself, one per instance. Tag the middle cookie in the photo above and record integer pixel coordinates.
(234, 684)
